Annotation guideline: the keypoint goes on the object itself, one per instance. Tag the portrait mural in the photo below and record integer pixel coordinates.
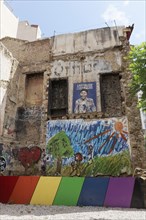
(84, 97)
(87, 148)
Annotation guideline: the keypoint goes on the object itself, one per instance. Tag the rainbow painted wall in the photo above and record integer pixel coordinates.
(72, 191)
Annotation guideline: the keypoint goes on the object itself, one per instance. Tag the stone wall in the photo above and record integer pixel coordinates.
(32, 56)
(47, 86)
(8, 66)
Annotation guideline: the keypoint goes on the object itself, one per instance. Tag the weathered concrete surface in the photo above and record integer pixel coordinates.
(89, 56)
(8, 66)
(17, 212)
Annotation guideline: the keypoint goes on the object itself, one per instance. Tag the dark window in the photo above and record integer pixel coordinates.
(58, 97)
(111, 94)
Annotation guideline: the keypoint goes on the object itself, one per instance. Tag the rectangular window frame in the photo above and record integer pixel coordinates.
(103, 107)
(62, 111)
(28, 76)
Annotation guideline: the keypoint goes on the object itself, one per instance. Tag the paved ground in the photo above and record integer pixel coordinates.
(29, 212)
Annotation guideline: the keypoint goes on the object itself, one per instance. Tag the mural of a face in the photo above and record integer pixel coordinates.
(84, 97)
(83, 94)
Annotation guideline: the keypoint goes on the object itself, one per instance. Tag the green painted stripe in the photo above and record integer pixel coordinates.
(69, 191)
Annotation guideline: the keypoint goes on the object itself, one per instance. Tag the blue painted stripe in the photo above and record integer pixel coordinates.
(93, 191)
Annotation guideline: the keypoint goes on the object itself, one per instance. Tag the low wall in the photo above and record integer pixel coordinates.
(124, 192)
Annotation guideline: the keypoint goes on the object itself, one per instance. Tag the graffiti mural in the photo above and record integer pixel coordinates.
(29, 113)
(6, 153)
(87, 148)
(9, 127)
(84, 98)
(29, 156)
(11, 156)
(2, 164)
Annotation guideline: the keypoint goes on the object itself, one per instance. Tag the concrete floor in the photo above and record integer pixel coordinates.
(30, 212)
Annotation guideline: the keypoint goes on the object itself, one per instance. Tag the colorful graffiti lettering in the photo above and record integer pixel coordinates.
(98, 144)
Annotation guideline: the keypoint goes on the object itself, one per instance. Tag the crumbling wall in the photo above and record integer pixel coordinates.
(86, 63)
(24, 108)
(136, 136)
(32, 56)
(7, 70)
(9, 131)
(28, 118)
(90, 60)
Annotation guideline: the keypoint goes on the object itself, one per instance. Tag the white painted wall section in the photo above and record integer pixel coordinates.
(8, 22)
(28, 32)
(8, 65)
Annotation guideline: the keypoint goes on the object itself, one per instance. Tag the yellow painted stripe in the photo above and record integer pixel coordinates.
(45, 191)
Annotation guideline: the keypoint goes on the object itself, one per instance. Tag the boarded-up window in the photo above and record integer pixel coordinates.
(111, 94)
(34, 89)
(58, 97)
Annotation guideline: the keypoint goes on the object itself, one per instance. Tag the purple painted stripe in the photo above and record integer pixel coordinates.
(119, 192)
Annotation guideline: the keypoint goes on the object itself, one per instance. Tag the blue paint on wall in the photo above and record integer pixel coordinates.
(93, 191)
(90, 140)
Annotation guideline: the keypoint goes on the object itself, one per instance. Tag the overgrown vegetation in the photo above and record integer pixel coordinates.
(137, 66)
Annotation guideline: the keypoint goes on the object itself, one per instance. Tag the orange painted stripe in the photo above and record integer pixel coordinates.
(24, 189)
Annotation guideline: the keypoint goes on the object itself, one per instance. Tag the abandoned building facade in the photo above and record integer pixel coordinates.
(66, 108)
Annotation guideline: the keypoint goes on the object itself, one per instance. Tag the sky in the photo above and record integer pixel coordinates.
(60, 17)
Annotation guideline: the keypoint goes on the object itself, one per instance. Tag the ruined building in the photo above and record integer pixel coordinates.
(66, 108)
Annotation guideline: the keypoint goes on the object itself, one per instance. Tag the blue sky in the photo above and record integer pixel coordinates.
(75, 16)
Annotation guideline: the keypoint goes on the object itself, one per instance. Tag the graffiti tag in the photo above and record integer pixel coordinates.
(2, 164)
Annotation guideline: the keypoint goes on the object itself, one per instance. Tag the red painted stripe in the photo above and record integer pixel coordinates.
(7, 184)
(24, 190)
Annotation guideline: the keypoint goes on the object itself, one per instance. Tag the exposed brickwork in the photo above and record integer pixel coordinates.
(68, 58)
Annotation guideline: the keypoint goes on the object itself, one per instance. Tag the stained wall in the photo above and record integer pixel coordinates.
(51, 74)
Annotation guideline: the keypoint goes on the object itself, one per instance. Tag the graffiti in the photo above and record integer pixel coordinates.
(76, 69)
(87, 68)
(78, 147)
(61, 68)
(58, 70)
(2, 164)
(9, 127)
(84, 99)
(1, 149)
(27, 113)
(46, 161)
(29, 156)
(12, 155)
(6, 152)
(102, 66)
